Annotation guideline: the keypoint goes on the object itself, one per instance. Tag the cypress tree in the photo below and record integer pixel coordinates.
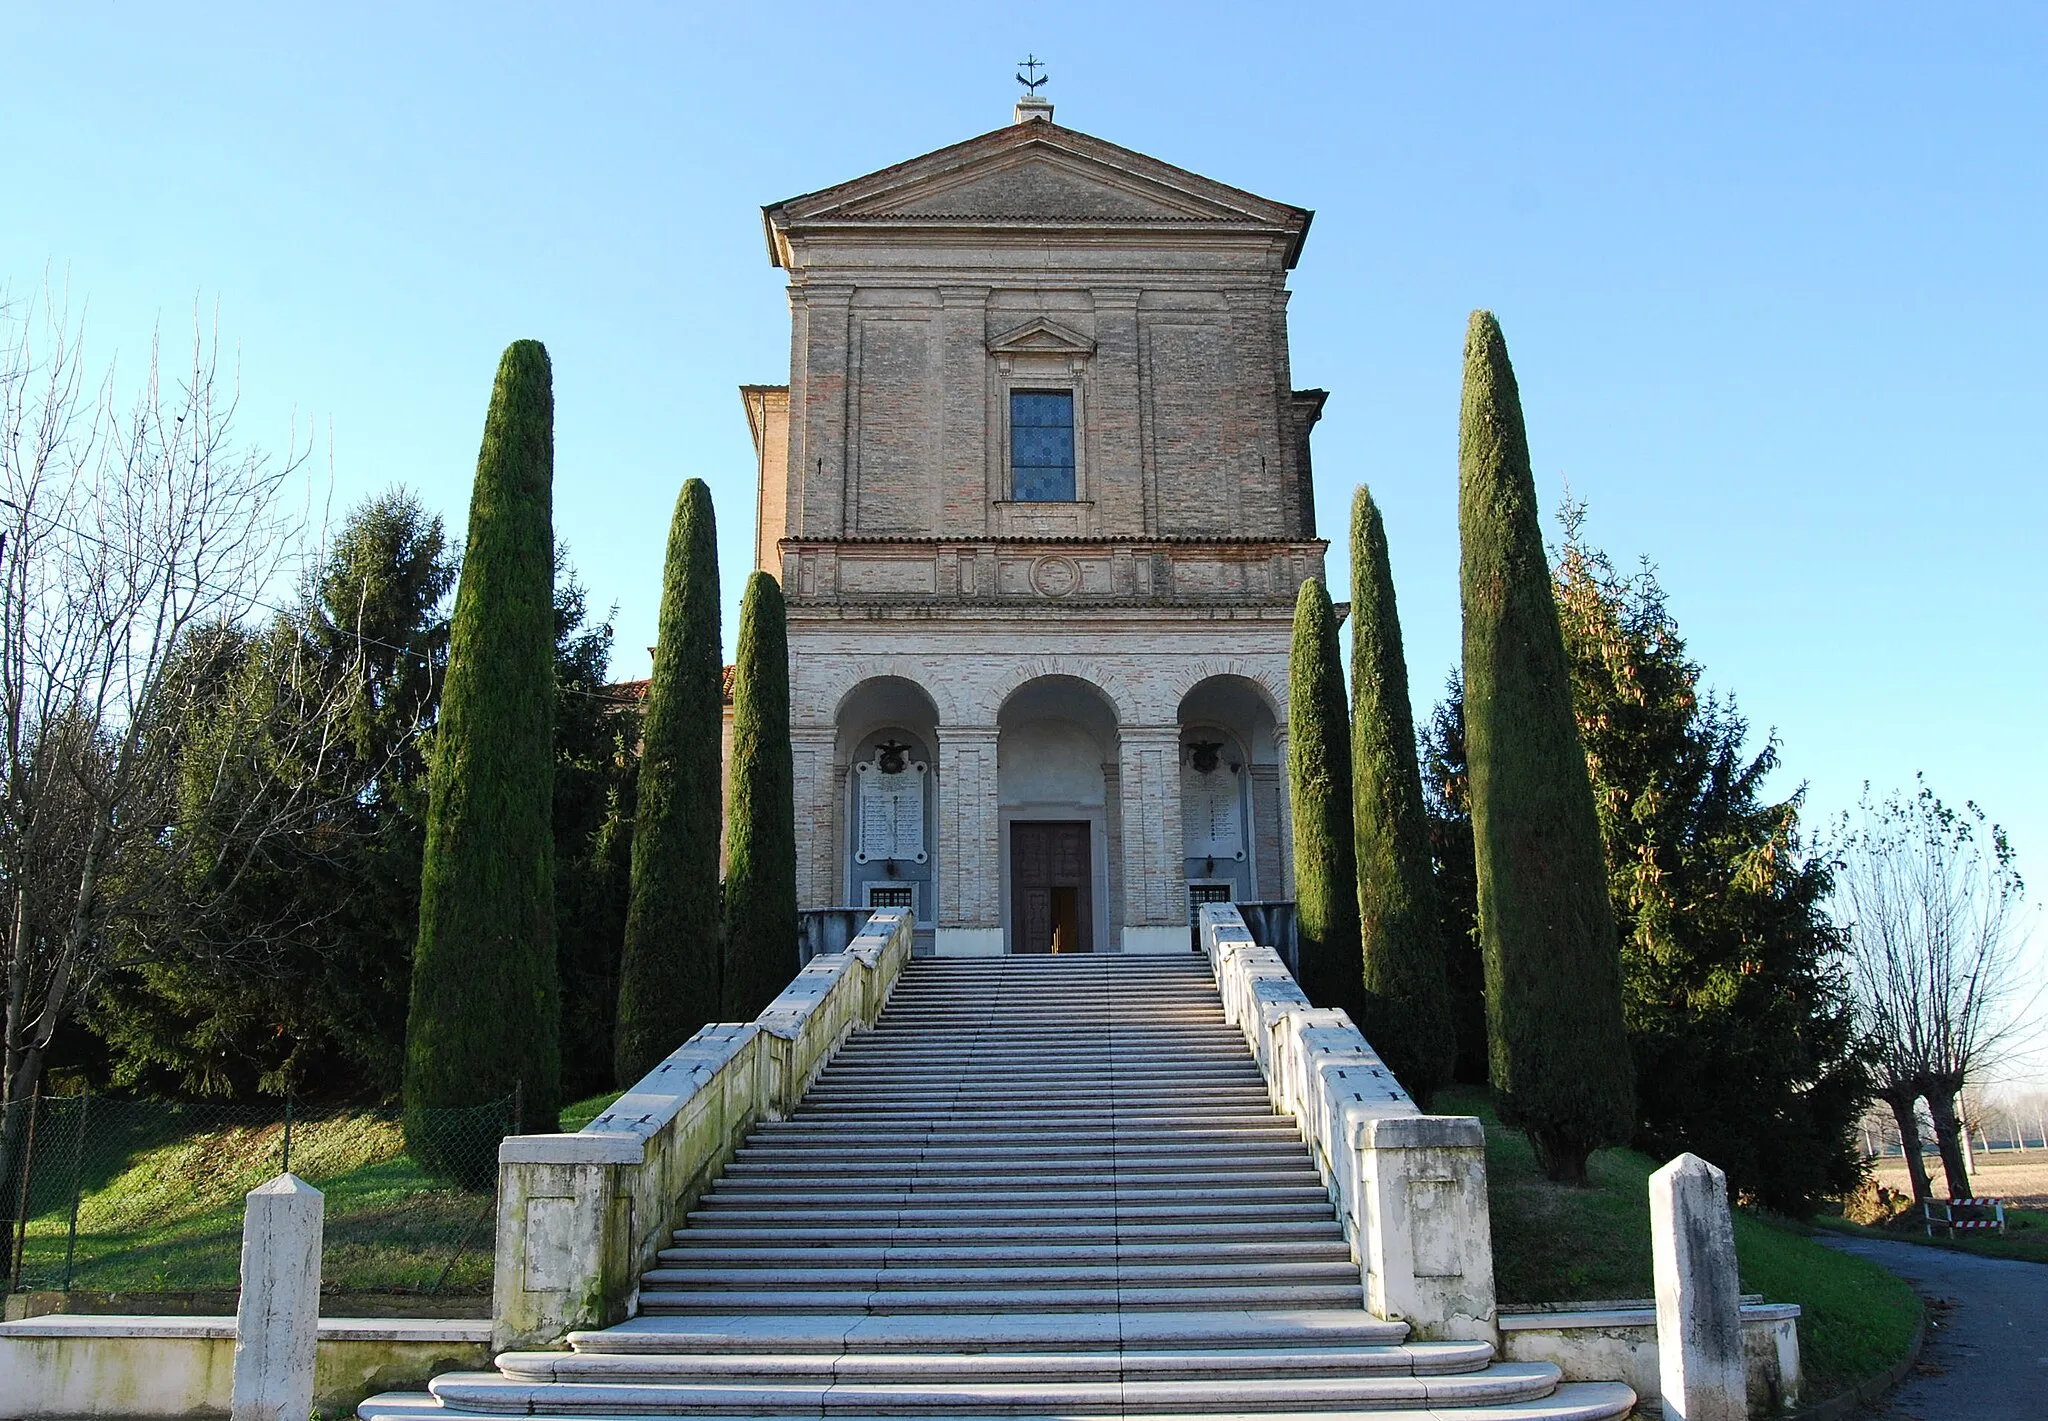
(1406, 1013)
(760, 861)
(485, 1004)
(669, 974)
(1560, 1064)
(1319, 789)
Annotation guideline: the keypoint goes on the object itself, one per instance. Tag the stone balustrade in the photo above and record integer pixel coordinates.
(1410, 1188)
(581, 1216)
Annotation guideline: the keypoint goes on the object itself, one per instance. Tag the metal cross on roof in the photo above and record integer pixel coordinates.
(1031, 67)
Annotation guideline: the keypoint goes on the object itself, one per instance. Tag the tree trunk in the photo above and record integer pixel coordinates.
(1903, 1110)
(1941, 1104)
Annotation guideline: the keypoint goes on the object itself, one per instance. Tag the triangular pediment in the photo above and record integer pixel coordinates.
(1040, 182)
(1040, 336)
(1034, 172)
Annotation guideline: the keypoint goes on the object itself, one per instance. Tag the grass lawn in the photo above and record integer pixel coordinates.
(160, 1202)
(1556, 1243)
(2026, 1236)
(160, 1208)
(574, 1117)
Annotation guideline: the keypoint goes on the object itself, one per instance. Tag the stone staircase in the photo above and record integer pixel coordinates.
(1040, 1187)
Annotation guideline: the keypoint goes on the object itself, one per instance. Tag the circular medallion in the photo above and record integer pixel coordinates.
(1055, 577)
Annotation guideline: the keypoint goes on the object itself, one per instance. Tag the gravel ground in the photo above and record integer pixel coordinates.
(2018, 1178)
(1986, 1356)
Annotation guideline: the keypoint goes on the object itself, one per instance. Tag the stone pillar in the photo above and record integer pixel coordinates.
(816, 788)
(969, 922)
(1699, 1298)
(1155, 875)
(1280, 746)
(277, 1326)
(1426, 1242)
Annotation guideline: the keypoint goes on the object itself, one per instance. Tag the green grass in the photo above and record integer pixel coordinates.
(2026, 1236)
(160, 1200)
(1555, 1243)
(160, 1211)
(575, 1116)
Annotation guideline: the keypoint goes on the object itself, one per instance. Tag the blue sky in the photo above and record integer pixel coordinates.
(1772, 278)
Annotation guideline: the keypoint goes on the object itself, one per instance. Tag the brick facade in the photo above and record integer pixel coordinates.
(1058, 658)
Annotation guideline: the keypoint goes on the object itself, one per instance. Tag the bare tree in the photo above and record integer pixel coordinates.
(128, 533)
(1930, 896)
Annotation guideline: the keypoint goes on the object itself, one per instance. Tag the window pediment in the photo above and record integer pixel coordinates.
(1041, 336)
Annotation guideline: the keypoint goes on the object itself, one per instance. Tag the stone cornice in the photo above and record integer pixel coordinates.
(1061, 575)
(951, 186)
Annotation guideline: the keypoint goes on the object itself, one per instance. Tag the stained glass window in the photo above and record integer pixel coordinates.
(1042, 446)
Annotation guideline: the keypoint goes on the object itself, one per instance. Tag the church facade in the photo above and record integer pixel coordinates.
(1038, 494)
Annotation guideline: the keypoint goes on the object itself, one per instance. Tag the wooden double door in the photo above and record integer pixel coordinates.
(1052, 906)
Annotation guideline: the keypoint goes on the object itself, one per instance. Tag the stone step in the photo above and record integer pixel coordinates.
(1059, 1232)
(1182, 1041)
(833, 1276)
(494, 1393)
(827, 1154)
(882, 1164)
(1018, 1077)
(1193, 1128)
(1571, 1401)
(858, 1331)
(971, 1056)
(739, 1368)
(807, 1134)
(999, 1096)
(769, 1251)
(1110, 1298)
(983, 1212)
(1219, 1198)
(1046, 1020)
(1049, 1084)
(976, 1123)
(1133, 1113)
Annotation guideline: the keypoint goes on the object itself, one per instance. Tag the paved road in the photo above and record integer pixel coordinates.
(1988, 1360)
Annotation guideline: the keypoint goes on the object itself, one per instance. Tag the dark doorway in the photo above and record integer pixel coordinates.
(1051, 907)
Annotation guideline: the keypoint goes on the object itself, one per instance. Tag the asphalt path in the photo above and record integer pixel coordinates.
(1986, 1355)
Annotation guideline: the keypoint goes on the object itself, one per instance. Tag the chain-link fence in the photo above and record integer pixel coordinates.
(128, 1196)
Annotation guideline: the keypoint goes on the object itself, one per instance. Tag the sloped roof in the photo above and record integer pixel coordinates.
(1034, 174)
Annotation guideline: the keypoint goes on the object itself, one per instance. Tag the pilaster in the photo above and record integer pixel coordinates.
(964, 415)
(1281, 744)
(822, 358)
(1119, 476)
(1155, 891)
(970, 853)
(816, 789)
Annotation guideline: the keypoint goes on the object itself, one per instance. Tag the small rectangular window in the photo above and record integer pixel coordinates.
(1042, 446)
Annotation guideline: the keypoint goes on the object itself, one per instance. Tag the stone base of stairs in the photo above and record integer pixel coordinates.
(1039, 1188)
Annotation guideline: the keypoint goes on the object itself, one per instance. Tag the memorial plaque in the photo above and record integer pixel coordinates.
(891, 811)
(1212, 821)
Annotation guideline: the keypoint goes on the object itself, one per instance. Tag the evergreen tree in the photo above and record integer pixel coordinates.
(670, 975)
(1447, 791)
(1319, 788)
(1406, 1012)
(594, 776)
(1734, 991)
(760, 862)
(295, 976)
(485, 1003)
(1732, 969)
(1560, 1063)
